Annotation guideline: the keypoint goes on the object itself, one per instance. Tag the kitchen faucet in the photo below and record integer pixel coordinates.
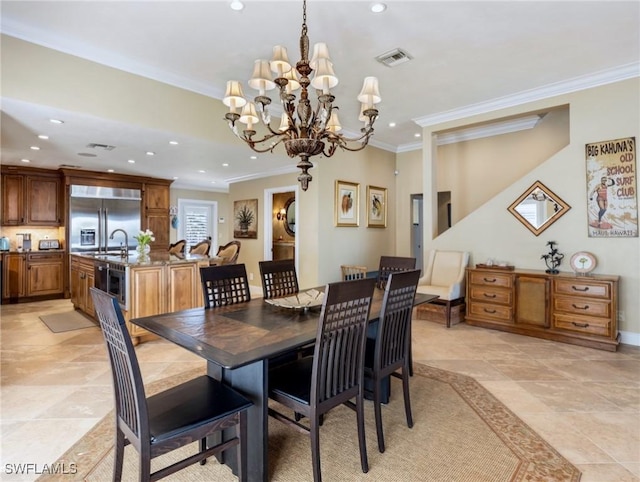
(124, 250)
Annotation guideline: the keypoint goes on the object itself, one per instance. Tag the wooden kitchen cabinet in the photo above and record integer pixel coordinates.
(156, 200)
(564, 307)
(82, 279)
(45, 274)
(32, 276)
(31, 198)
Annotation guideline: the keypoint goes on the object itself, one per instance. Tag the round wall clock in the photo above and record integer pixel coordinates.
(583, 262)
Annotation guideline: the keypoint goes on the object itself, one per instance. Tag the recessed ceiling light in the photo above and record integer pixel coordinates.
(201, 171)
(225, 164)
(42, 136)
(131, 161)
(236, 5)
(111, 170)
(378, 7)
(34, 148)
(392, 124)
(417, 134)
(253, 157)
(25, 160)
(175, 177)
(151, 153)
(56, 121)
(173, 143)
(213, 182)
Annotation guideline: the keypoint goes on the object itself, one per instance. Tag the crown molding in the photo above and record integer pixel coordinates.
(603, 77)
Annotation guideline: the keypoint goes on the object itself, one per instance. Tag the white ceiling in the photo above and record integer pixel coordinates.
(468, 57)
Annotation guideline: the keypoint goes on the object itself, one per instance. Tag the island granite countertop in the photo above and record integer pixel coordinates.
(152, 259)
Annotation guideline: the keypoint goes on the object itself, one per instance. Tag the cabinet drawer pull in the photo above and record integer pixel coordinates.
(580, 325)
(490, 311)
(575, 288)
(489, 295)
(585, 307)
(490, 280)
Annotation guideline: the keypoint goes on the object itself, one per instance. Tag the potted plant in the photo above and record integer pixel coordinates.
(245, 217)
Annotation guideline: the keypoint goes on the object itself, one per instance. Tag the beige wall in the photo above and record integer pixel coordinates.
(598, 114)
(324, 246)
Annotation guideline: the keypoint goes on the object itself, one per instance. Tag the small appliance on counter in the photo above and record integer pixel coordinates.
(4, 244)
(26, 241)
(45, 244)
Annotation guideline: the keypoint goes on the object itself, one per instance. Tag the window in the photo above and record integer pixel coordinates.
(197, 221)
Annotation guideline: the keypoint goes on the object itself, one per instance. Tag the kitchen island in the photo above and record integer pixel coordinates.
(144, 285)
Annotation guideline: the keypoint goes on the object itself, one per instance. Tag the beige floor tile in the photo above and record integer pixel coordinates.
(605, 473)
(515, 397)
(568, 396)
(526, 369)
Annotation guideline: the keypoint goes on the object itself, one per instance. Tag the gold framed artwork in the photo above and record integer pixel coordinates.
(347, 203)
(245, 219)
(376, 207)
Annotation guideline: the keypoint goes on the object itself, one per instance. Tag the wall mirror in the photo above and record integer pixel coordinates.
(538, 208)
(290, 219)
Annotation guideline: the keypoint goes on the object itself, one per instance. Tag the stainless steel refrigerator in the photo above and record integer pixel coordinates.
(95, 212)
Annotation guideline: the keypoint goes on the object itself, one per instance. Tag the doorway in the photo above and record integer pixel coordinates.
(281, 223)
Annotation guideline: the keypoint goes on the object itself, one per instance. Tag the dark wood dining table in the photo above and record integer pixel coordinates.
(237, 341)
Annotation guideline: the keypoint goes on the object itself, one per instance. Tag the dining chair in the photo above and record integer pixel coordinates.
(229, 252)
(392, 264)
(202, 247)
(279, 278)
(178, 416)
(389, 351)
(313, 385)
(351, 272)
(223, 285)
(177, 247)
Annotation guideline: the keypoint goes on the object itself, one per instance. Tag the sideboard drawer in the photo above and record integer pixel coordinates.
(580, 306)
(585, 325)
(495, 312)
(488, 294)
(491, 278)
(587, 288)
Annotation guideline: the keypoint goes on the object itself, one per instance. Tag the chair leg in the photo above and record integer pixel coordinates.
(407, 399)
(203, 447)
(119, 455)
(241, 432)
(447, 313)
(361, 437)
(314, 432)
(377, 407)
(145, 465)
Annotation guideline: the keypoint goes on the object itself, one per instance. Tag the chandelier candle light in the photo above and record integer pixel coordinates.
(303, 131)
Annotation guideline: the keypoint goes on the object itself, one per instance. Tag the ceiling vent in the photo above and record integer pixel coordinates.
(394, 57)
(103, 147)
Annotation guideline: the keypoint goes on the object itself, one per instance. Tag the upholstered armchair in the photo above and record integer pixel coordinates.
(445, 276)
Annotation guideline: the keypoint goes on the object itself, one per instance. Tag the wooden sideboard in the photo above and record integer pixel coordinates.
(581, 310)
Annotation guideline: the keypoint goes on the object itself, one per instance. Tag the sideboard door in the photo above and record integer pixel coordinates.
(532, 295)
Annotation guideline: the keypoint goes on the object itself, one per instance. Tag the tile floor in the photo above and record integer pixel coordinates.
(585, 402)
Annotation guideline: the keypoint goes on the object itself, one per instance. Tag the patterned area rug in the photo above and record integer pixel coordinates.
(462, 433)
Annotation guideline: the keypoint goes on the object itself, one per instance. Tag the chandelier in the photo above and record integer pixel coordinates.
(304, 131)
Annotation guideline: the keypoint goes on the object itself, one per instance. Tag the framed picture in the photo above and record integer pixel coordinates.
(376, 207)
(347, 203)
(245, 219)
(612, 204)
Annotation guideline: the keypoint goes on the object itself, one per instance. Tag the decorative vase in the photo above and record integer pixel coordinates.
(143, 249)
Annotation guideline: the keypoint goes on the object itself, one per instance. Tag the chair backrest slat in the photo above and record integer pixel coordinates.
(224, 285)
(279, 278)
(340, 341)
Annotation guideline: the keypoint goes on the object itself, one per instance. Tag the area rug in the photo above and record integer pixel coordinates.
(462, 433)
(67, 321)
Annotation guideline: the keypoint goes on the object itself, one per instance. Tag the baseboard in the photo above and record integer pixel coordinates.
(629, 338)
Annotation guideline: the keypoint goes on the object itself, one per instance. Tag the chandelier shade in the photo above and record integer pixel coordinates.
(305, 131)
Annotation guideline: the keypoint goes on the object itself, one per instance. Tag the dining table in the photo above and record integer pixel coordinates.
(237, 341)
